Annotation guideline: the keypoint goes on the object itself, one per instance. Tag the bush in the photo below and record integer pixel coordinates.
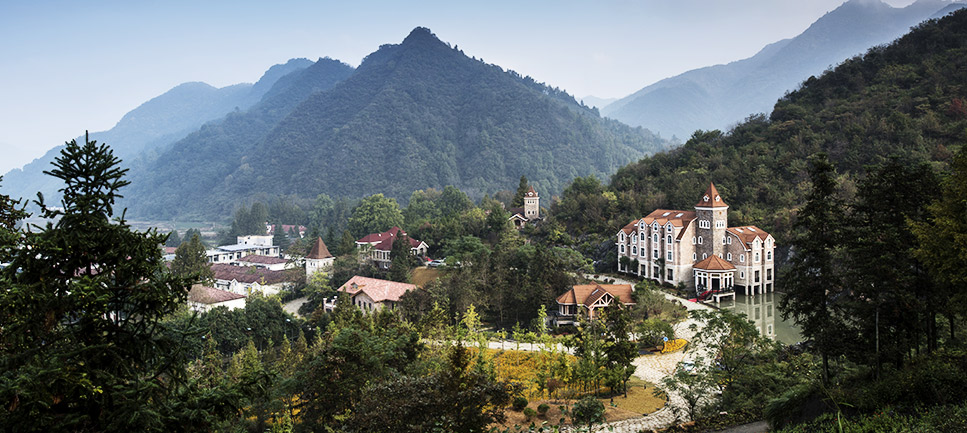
(587, 411)
(529, 413)
(519, 403)
(542, 408)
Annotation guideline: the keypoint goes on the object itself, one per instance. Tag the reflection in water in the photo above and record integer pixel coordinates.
(762, 311)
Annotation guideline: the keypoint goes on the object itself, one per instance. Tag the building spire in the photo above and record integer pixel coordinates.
(711, 198)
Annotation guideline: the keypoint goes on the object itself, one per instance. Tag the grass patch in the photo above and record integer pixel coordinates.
(422, 276)
(641, 398)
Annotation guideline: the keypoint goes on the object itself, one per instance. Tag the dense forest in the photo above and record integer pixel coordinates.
(907, 99)
(416, 115)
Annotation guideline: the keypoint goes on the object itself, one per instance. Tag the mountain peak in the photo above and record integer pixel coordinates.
(420, 35)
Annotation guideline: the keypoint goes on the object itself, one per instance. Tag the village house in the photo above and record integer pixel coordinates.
(245, 280)
(590, 297)
(531, 211)
(319, 258)
(266, 262)
(371, 294)
(247, 245)
(379, 246)
(286, 229)
(698, 249)
(203, 298)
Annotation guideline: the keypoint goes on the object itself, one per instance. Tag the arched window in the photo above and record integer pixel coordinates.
(634, 250)
(741, 258)
(654, 237)
(768, 255)
(700, 240)
(729, 257)
(669, 241)
(693, 240)
(694, 256)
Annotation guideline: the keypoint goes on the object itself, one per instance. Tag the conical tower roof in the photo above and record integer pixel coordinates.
(319, 250)
(711, 198)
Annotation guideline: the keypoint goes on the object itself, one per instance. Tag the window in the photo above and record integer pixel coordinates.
(671, 275)
(669, 240)
(768, 255)
(720, 224)
(621, 237)
(654, 254)
(756, 276)
(655, 273)
(668, 228)
(729, 257)
(634, 250)
(700, 240)
(694, 256)
(654, 238)
(622, 248)
(704, 256)
(742, 275)
(730, 240)
(668, 256)
(634, 238)
(757, 257)
(769, 274)
(741, 258)
(723, 241)
(693, 240)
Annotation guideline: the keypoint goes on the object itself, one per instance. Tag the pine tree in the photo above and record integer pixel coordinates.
(814, 279)
(401, 261)
(522, 188)
(173, 239)
(191, 262)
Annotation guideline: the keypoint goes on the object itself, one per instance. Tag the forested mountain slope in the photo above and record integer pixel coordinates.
(415, 115)
(190, 168)
(148, 129)
(907, 99)
(717, 97)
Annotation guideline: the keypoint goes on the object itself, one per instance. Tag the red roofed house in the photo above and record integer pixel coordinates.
(380, 245)
(247, 279)
(676, 246)
(371, 294)
(319, 258)
(591, 297)
(203, 298)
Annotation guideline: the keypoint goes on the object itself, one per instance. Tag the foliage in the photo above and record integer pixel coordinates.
(588, 411)
(83, 346)
(191, 262)
(519, 403)
(375, 214)
(173, 239)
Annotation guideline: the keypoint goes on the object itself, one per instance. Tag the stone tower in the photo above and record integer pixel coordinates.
(532, 204)
(711, 219)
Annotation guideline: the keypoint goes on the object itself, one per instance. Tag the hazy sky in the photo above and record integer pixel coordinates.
(68, 66)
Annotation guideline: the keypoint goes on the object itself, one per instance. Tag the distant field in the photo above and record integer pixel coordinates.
(422, 276)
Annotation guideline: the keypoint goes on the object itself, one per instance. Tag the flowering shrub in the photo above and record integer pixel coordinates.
(674, 345)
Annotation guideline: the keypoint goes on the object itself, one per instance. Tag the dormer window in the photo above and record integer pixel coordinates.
(717, 198)
(668, 228)
(705, 198)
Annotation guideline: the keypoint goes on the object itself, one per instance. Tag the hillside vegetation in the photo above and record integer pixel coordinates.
(416, 115)
(907, 99)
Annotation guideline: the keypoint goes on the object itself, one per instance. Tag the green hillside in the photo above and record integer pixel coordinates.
(907, 99)
(416, 115)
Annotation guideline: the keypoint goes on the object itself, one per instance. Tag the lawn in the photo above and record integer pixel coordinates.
(422, 276)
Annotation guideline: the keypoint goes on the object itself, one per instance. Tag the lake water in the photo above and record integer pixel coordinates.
(763, 312)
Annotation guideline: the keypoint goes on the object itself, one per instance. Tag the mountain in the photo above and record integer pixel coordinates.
(717, 97)
(149, 128)
(905, 100)
(415, 115)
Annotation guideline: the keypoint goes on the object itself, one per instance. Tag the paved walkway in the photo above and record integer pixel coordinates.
(293, 306)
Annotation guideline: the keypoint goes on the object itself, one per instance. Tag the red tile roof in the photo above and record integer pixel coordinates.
(714, 263)
(384, 241)
(262, 260)
(586, 294)
(377, 290)
(319, 250)
(678, 218)
(531, 192)
(247, 274)
(210, 295)
(711, 198)
(747, 234)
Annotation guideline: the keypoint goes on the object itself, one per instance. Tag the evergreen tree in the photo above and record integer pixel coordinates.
(347, 244)
(279, 238)
(191, 262)
(173, 239)
(83, 347)
(401, 261)
(814, 278)
(522, 188)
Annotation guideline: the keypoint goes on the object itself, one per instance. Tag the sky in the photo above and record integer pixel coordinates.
(69, 66)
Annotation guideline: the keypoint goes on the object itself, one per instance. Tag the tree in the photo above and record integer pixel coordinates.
(942, 240)
(173, 239)
(191, 262)
(401, 260)
(374, 214)
(453, 202)
(522, 188)
(11, 213)
(814, 279)
(588, 411)
(83, 347)
(279, 238)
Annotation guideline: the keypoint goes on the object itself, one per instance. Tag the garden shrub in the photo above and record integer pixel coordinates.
(519, 403)
(529, 413)
(542, 408)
